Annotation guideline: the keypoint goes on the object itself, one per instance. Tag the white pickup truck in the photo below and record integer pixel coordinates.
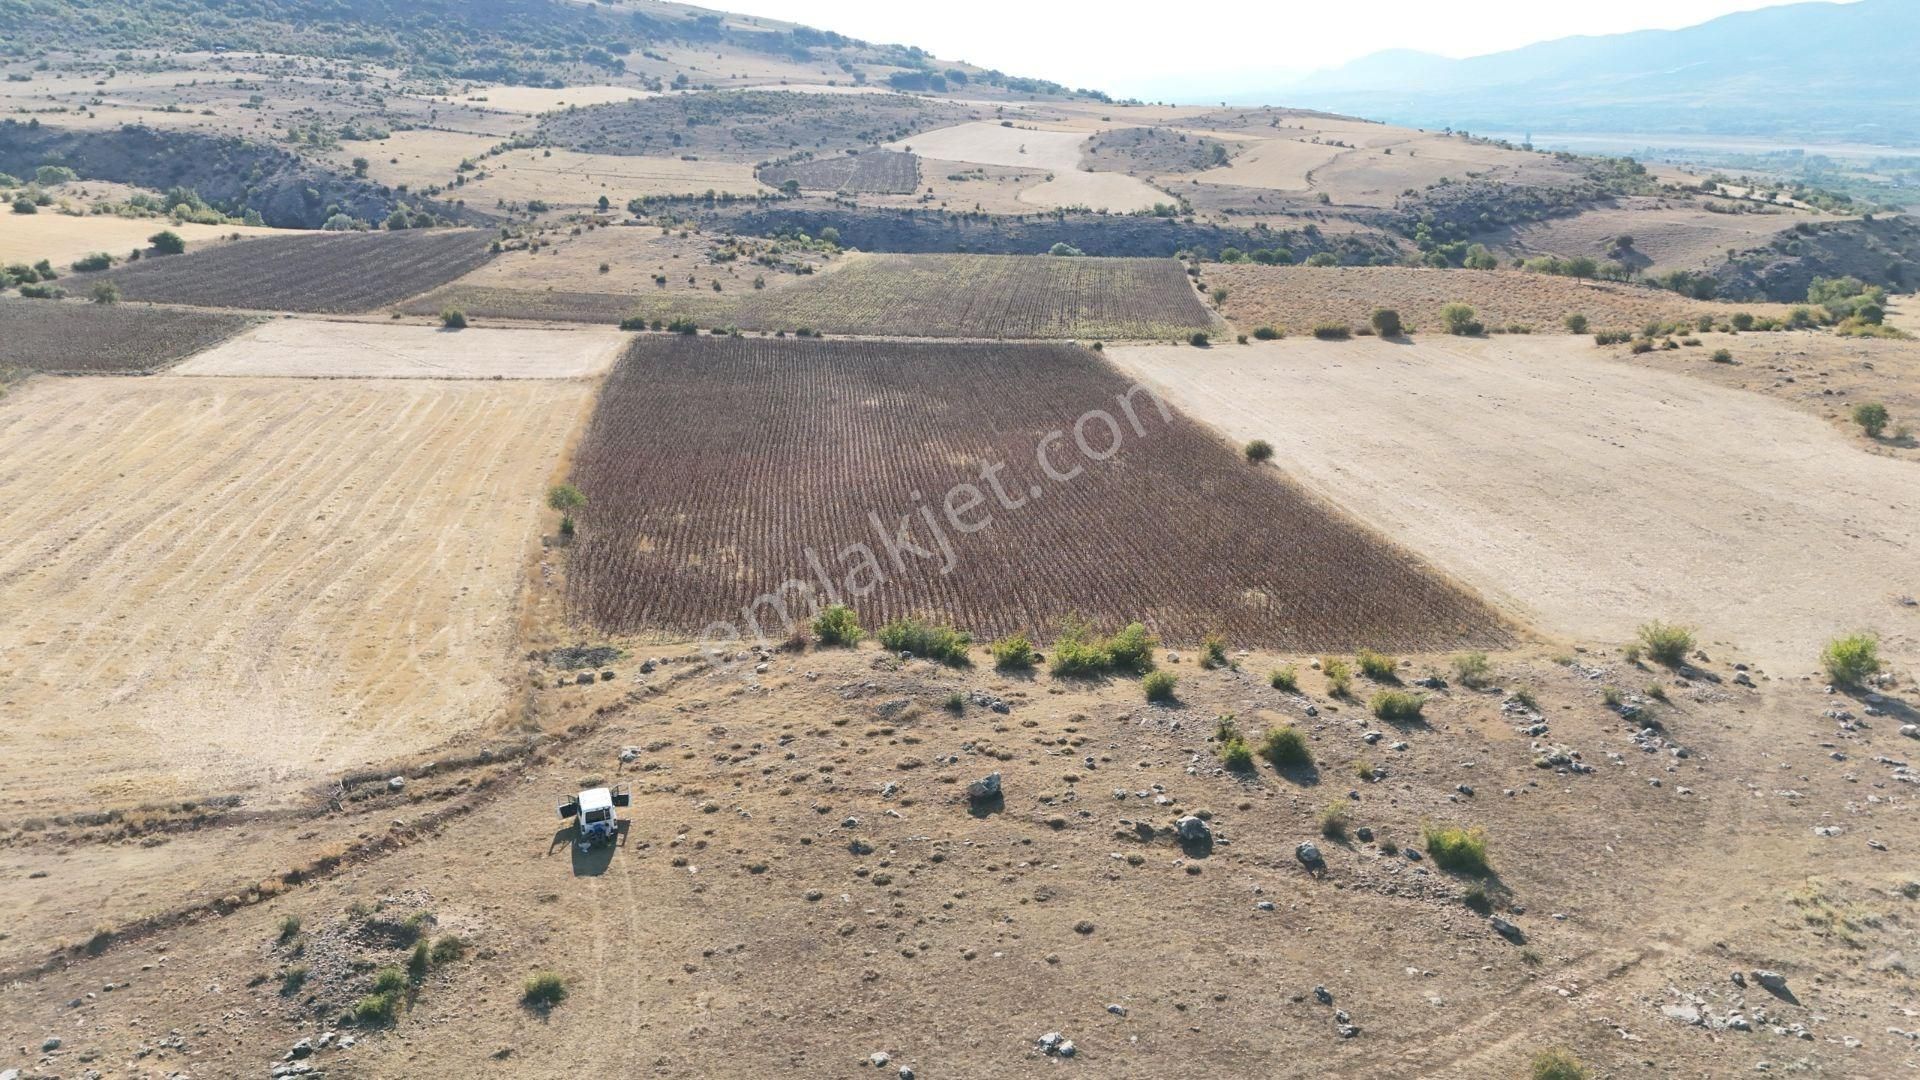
(592, 813)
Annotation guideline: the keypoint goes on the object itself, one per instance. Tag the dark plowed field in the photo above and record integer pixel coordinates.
(921, 478)
(324, 273)
(72, 338)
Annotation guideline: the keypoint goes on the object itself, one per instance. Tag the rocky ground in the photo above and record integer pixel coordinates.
(1693, 871)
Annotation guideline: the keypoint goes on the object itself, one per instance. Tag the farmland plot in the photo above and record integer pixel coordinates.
(880, 172)
(333, 272)
(718, 469)
(1298, 298)
(225, 583)
(49, 337)
(309, 348)
(988, 296)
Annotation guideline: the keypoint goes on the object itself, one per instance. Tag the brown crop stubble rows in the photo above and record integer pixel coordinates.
(55, 338)
(322, 273)
(713, 465)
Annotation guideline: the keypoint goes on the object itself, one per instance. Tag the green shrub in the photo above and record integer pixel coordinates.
(1334, 819)
(1576, 324)
(1285, 746)
(1669, 644)
(24, 205)
(1459, 320)
(105, 292)
(293, 979)
(1398, 705)
(1872, 418)
(447, 948)
(419, 961)
(1642, 347)
(1339, 675)
(544, 991)
(1612, 337)
(1266, 333)
(956, 702)
(1213, 652)
(289, 926)
(838, 625)
(1234, 752)
(1332, 332)
(922, 638)
(1376, 666)
(1014, 652)
(1131, 649)
(1198, 339)
(1742, 321)
(1473, 669)
(1722, 356)
(453, 318)
(377, 1008)
(1259, 450)
(1386, 323)
(167, 242)
(1851, 660)
(1285, 678)
(1458, 849)
(1159, 685)
(99, 260)
(1557, 1065)
(684, 324)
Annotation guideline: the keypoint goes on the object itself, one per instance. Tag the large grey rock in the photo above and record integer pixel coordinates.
(1192, 830)
(1309, 856)
(985, 789)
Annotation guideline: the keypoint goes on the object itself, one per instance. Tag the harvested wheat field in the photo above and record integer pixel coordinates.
(721, 470)
(1582, 494)
(1299, 298)
(1278, 164)
(1113, 192)
(327, 272)
(1665, 235)
(566, 178)
(105, 339)
(235, 585)
(989, 143)
(62, 238)
(539, 99)
(307, 348)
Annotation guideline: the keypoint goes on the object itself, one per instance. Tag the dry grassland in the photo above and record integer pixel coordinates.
(986, 142)
(565, 178)
(1115, 192)
(62, 238)
(305, 348)
(230, 584)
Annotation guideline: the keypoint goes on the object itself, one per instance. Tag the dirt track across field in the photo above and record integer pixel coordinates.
(1584, 493)
(219, 585)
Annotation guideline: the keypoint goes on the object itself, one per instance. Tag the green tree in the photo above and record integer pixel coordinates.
(167, 242)
(1386, 323)
(1872, 418)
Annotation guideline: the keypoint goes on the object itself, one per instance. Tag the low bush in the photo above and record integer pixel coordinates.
(1851, 660)
(1722, 356)
(956, 702)
(448, 948)
(1259, 451)
(1386, 323)
(1473, 669)
(1266, 333)
(922, 638)
(1667, 643)
(1213, 652)
(1642, 347)
(1236, 754)
(1014, 652)
(1461, 850)
(1577, 324)
(838, 625)
(544, 991)
(105, 292)
(1079, 651)
(1131, 649)
(1334, 819)
(1198, 339)
(1871, 416)
(167, 242)
(1459, 321)
(1159, 685)
(1376, 666)
(1339, 675)
(453, 318)
(1332, 332)
(1285, 746)
(1397, 705)
(1285, 678)
(1612, 337)
(1557, 1065)
(99, 260)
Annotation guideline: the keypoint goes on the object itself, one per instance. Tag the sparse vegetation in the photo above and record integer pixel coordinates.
(1872, 418)
(452, 318)
(1459, 320)
(1386, 323)
(1213, 652)
(1159, 685)
(1285, 678)
(1473, 669)
(1398, 706)
(1339, 675)
(1259, 451)
(1376, 666)
(1285, 747)
(920, 637)
(1015, 652)
(1334, 819)
(543, 991)
(1557, 1065)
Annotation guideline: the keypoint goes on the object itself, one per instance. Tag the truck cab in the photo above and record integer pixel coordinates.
(592, 812)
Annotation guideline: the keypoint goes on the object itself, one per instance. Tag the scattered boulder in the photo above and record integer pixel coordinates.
(985, 789)
(1192, 830)
(1506, 929)
(1309, 856)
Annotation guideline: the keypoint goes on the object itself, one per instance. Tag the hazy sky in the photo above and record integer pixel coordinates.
(1152, 50)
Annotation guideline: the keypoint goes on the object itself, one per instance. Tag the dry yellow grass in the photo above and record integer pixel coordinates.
(565, 178)
(986, 142)
(1096, 191)
(539, 99)
(63, 238)
(1298, 298)
(1278, 164)
(225, 583)
(310, 348)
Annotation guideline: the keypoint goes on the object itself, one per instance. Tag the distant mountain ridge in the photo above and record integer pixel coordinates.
(1811, 72)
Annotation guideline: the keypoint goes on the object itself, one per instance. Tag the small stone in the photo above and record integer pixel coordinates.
(879, 1059)
(1323, 995)
(1067, 1049)
(1192, 830)
(906, 1073)
(1083, 927)
(301, 1049)
(985, 789)
(1686, 1014)
(1309, 856)
(1771, 980)
(396, 783)
(1264, 905)
(1505, 929)
(1050, 1041)
(1117, 1010)
(1365, 834)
